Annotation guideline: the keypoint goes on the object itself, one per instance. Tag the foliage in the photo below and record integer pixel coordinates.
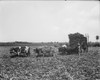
(71, 67)
(97, 37)
(94, 44)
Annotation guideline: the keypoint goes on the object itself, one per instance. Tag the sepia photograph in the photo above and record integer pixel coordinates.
(50, 40)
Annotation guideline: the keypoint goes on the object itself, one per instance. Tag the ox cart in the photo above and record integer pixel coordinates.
(77, 44)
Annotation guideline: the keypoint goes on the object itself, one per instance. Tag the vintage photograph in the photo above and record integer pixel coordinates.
(49, 40)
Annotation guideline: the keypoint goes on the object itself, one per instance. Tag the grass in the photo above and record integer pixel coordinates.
(70, 67)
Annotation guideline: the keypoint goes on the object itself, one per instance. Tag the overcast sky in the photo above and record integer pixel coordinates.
(40, 21)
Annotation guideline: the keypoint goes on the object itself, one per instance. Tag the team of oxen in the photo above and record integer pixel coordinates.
(48, 51)
(24, 51)
(45, 51)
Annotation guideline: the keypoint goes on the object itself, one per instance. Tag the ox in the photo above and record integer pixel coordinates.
(39, 52)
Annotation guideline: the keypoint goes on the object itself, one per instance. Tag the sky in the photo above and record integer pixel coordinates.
(46, 21)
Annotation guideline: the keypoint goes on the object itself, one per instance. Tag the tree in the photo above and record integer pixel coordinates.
(97, 37)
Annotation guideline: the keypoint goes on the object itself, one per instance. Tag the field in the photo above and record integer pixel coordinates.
(85, 66)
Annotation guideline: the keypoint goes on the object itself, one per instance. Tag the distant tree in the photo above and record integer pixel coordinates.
(97, 37)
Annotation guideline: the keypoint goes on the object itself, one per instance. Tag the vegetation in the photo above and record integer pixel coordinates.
(85, 66)
(17, 43)
(94, 44)
(56, 44)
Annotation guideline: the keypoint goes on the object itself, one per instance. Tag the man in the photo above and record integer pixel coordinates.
(19, 50)
(79, 48)
(26, 49)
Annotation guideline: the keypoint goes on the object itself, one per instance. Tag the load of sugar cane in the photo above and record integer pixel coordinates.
(77, 39)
